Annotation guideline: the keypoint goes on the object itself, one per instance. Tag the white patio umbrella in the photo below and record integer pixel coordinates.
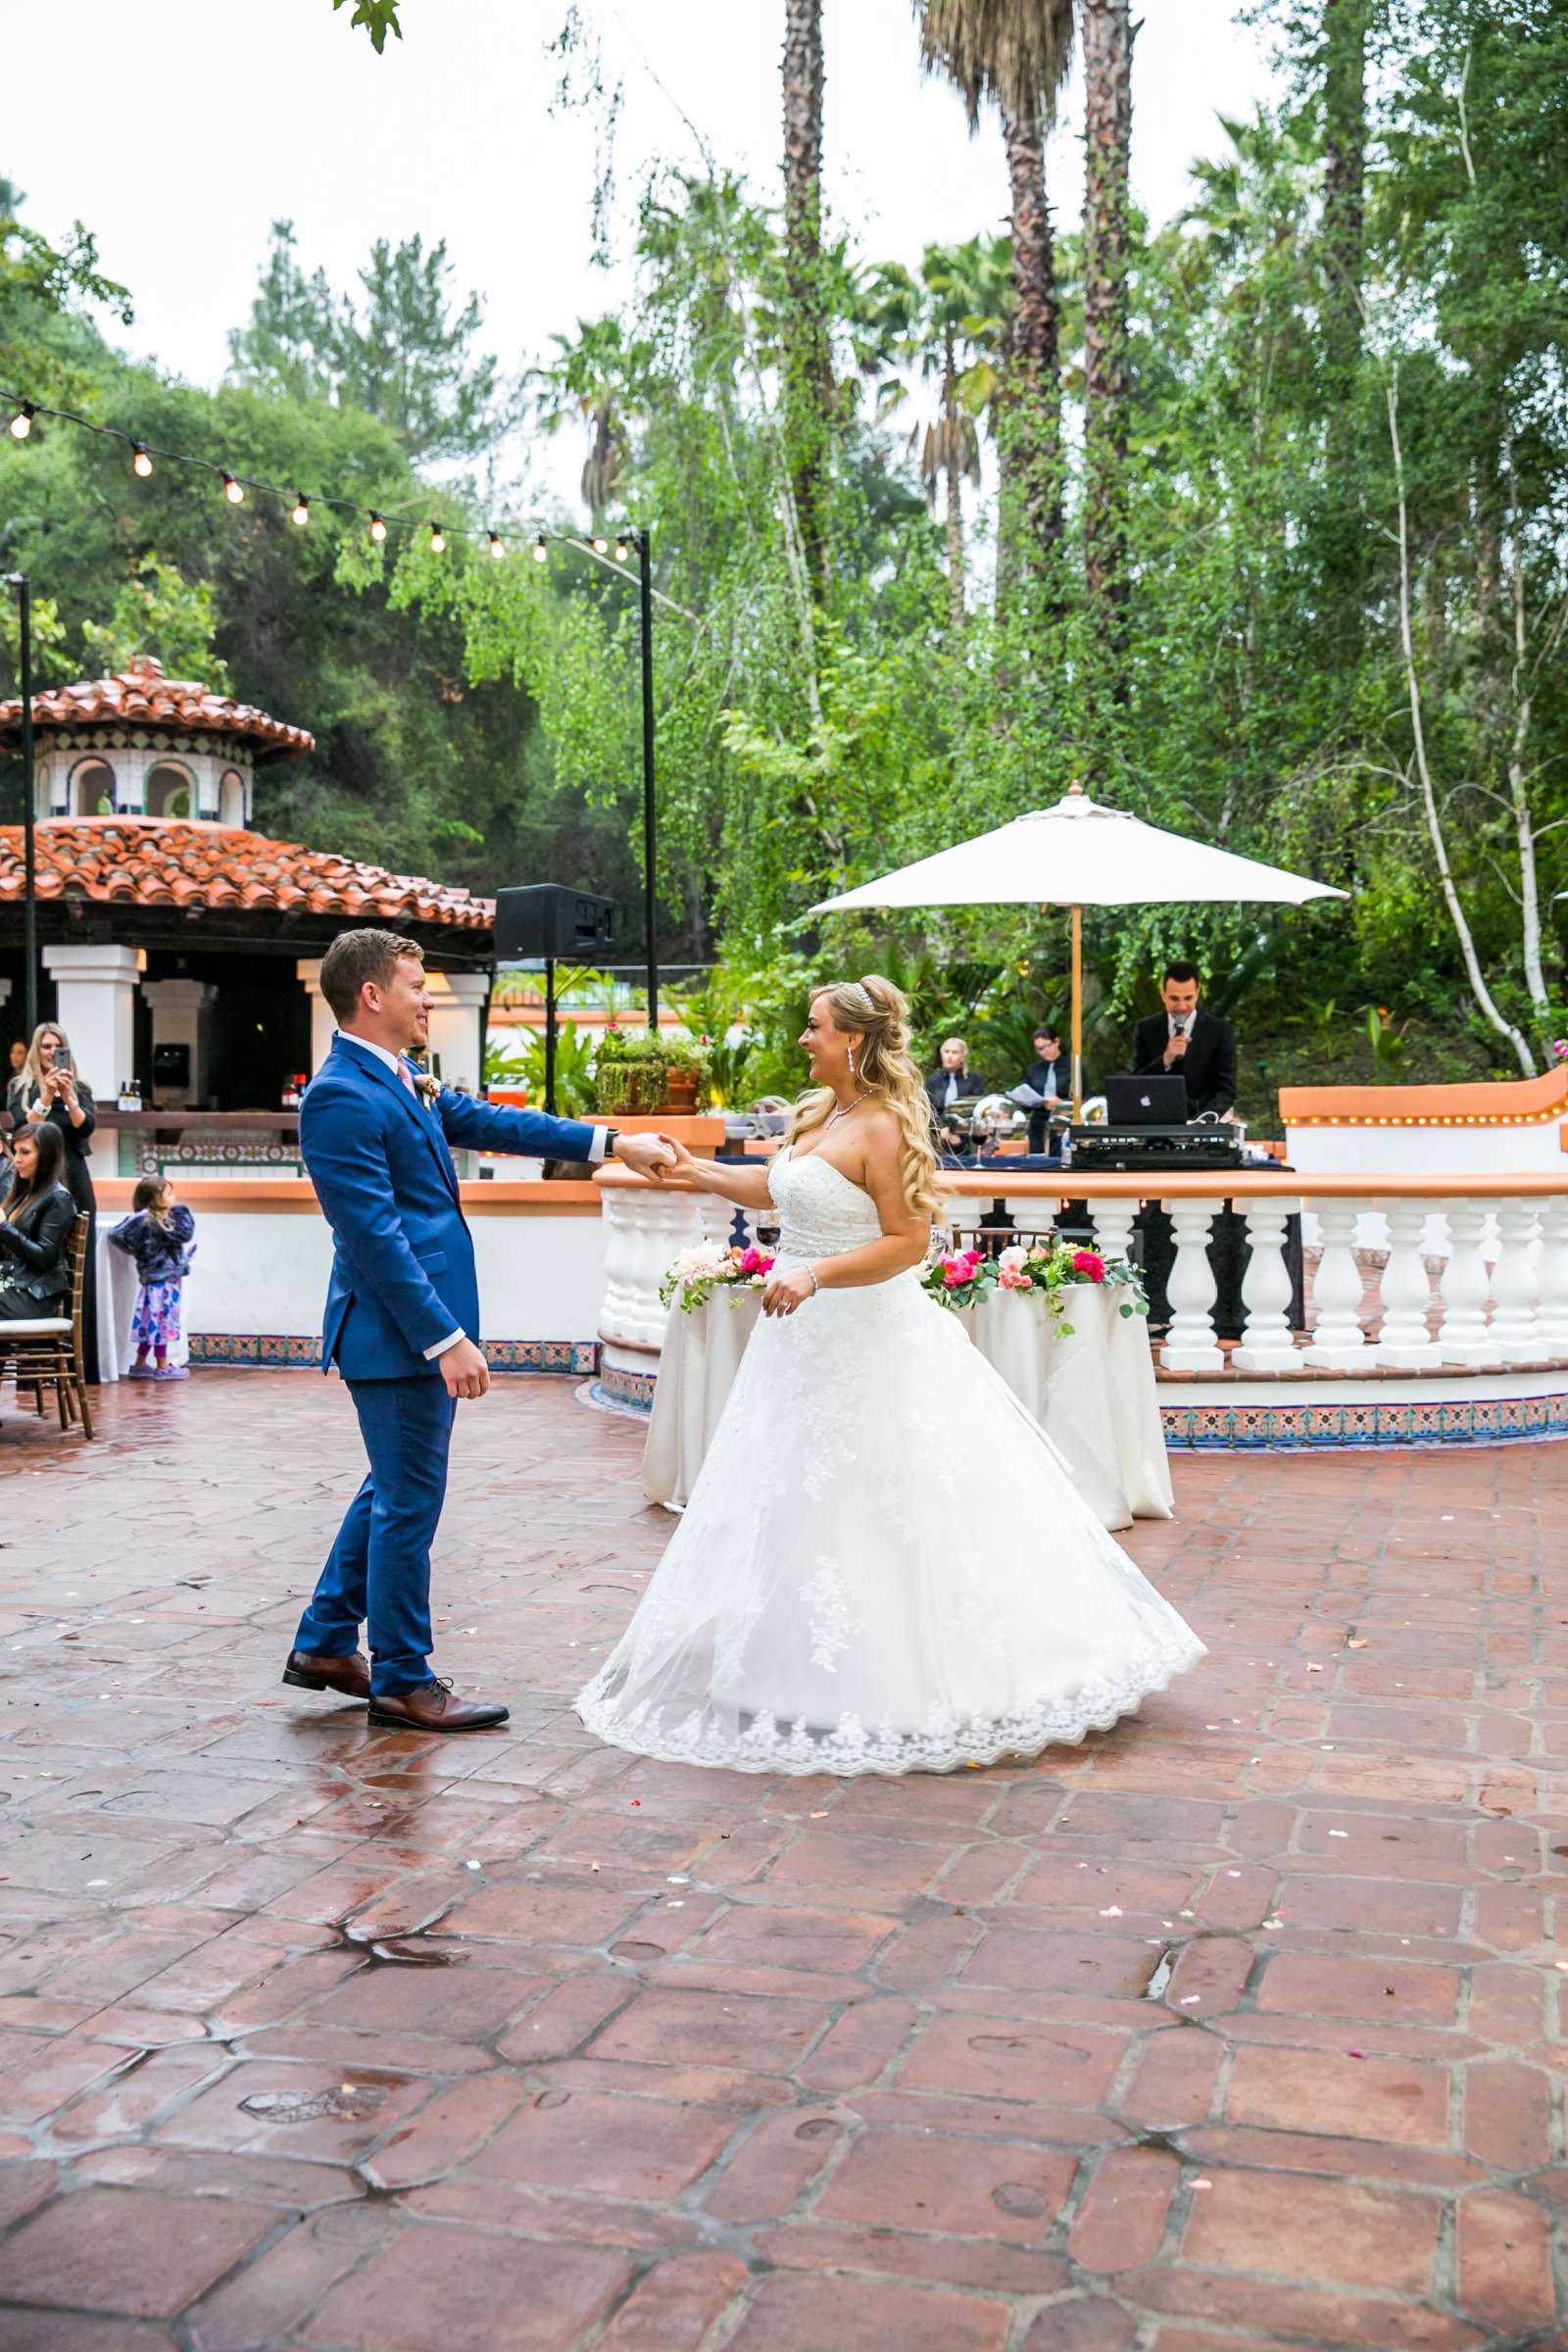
(1080, 853)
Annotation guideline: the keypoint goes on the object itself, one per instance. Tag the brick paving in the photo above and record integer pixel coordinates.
(1240, 2027)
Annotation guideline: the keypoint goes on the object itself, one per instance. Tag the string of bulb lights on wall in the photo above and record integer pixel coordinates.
(616, 547)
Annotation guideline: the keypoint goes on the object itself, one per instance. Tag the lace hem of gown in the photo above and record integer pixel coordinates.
(848, 1748)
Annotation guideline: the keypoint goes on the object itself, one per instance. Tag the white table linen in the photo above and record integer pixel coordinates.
(1094, 1394)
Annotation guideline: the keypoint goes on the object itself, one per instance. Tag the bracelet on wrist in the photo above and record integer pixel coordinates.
(816, 1284)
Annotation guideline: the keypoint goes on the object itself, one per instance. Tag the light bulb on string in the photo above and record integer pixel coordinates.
(622, 549)
(438, 540)
(302, 508)
(601, 544)
(377, 530)
(541, 550)
(497, 547)
(233, 491)
(140, 462)
(21, 421)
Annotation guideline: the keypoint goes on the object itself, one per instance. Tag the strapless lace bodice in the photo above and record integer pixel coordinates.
(823, 1212)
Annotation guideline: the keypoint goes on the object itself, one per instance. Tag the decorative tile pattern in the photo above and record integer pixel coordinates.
(1298, 1427)
(273, 1351)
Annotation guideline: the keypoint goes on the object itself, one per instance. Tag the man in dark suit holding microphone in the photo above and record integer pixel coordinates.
(1185, 1042)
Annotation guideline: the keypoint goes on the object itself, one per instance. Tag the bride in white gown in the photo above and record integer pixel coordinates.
(834, 1599)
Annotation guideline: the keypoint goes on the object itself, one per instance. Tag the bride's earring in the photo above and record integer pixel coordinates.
(852, 1072)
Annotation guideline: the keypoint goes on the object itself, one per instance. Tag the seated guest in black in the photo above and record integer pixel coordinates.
(1050, 1075)
(36, 1225)
(952, 1081)
(1187, 1042)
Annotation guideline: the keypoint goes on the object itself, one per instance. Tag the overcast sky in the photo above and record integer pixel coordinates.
(185, 127)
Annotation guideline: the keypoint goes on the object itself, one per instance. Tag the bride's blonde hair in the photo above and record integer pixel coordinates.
(878, 1014)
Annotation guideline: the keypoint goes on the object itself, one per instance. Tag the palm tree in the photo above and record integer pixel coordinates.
(1107, 40)
(586, 379)
(958, 333)
(807, 356)
(1017, 52)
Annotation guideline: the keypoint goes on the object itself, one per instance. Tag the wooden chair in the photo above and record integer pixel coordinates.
(48, 1350)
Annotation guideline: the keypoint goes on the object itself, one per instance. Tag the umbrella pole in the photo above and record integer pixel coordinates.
(1077, 1015)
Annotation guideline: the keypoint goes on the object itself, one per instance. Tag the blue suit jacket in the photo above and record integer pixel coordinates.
(403, 1272)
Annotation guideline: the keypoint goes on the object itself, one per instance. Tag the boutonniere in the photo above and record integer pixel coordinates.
(426, 1085)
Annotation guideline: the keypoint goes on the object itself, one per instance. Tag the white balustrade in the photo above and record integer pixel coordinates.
(1551, 1317)
(1465, 1286)
(644, 1232)
(1407, 1345)
(1114, 1226)
(1268, 1344)
(1514, 1285)
(1338, 1344)
(1189, 1345)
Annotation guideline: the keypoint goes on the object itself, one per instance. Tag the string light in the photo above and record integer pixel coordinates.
(236, 491)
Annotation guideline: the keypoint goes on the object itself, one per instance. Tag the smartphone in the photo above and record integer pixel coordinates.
(64, 1059)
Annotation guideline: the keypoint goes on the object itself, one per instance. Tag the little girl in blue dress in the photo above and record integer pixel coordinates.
(158, 1236)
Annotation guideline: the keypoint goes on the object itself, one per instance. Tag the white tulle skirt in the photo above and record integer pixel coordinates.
(884, 1567)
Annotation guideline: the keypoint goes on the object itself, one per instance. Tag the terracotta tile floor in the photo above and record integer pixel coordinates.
(1239, 2027)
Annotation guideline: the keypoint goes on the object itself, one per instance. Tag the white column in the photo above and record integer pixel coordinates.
(1551, 1321)
(1191, 1346)
(1465, 1287)
(454, 1025)
(1267, 1342)
(95, 993)
(1514, 1336)
(1405, 1343)
(1339, 1344)
(182, 1012)
(324, 1020)
(1114, 1226)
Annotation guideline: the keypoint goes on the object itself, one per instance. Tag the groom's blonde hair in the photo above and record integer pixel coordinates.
(876, 1012)
(356, 956)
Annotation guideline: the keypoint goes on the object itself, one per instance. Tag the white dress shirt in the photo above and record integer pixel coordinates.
(401, 1071)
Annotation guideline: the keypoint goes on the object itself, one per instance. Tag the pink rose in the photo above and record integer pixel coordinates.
(953, 1276)
(752, 1261)
(1013, 1278)
(1089, 1262)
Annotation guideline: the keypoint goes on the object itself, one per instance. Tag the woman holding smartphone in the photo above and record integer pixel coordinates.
(49, 1088)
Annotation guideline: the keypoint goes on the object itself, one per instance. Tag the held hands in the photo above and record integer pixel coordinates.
(786, 1292)
(464, 1368)
(647, 1154)
(674, 1160)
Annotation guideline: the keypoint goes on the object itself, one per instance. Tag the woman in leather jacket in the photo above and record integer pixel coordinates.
(36, 1225)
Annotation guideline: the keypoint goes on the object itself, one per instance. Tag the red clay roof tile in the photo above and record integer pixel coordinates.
(162, 860)
(142, 696)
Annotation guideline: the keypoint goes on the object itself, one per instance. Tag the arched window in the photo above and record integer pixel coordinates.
(169, 790)
(91, 789)
(232, 800)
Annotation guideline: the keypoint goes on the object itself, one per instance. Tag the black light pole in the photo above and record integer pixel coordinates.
(20, 581)
(649, 827)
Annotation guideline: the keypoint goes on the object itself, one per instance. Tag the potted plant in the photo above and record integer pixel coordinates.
(635, 1071)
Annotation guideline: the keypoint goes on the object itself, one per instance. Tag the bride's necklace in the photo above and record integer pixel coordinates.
(843, 1110)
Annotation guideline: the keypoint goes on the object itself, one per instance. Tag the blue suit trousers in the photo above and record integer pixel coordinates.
(379, 1570)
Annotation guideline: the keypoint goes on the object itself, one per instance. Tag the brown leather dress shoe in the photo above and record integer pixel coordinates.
(432, 1708)
(348, 1677)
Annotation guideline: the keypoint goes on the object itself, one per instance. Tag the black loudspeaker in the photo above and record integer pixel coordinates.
(546, 920)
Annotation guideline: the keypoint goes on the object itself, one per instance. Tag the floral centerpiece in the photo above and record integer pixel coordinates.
(959, 1278)
(694, 1278)
(1054, 1271)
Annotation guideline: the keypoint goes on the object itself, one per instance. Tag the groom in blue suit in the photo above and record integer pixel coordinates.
(401, 1316)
